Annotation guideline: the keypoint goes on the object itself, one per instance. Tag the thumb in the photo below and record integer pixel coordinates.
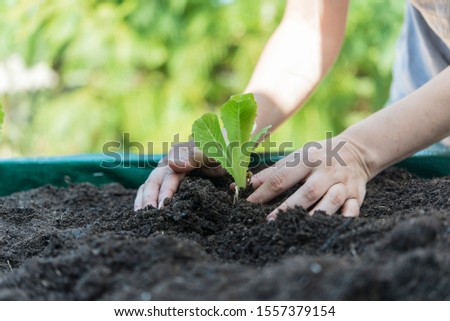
(185, 157)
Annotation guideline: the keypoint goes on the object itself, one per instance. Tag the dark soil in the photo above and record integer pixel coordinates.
(86, 243)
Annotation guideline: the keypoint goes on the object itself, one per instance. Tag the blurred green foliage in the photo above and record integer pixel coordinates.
(1, 117)
(151, 67)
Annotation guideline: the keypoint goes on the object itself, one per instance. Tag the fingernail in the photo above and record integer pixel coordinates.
(271, 217)
(160, 205)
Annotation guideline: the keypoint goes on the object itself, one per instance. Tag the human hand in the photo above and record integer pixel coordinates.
(333, 173)
(164, 180)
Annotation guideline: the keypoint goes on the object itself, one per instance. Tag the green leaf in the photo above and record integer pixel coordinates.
(238, 115)
(258, 135)
(209, 138)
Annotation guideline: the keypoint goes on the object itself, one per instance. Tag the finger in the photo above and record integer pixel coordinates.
(306, 196)
(351, 208)
(182, 158)
(185, 157)
(213, 171)
(259, 178)
(290, 161)
(138, 199)
(150, 194)
(361, 193)
(279, 182)
(169, 186)
(151, 188)
(285, 178)
(333, 200)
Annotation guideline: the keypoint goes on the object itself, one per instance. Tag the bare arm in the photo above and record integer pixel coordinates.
(296, 58)
(415, 122)
(367, 148)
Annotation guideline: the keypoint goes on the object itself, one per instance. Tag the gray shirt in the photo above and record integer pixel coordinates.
(423, 49)
(437, 14)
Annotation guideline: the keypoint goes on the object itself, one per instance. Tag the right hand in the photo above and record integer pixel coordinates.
(333, 174)
(164, 180)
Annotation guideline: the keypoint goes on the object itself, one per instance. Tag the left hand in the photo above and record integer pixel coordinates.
(332, 177)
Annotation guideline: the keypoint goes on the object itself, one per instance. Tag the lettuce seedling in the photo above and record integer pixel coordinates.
(232, 145)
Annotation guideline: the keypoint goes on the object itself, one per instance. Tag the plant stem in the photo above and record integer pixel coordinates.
(236, 195)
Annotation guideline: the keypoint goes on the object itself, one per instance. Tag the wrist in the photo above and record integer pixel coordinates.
(361, 155)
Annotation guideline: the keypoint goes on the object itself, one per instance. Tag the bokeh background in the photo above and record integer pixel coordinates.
(75, 74)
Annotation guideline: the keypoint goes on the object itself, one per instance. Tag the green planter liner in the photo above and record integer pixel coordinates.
(21, 174)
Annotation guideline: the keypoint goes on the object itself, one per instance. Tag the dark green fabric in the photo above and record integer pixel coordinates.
(20, 174)
(431, 162)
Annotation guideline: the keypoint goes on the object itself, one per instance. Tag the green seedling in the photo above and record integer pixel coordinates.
(232, 145)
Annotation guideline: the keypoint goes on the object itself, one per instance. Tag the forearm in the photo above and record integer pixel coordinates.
(286, 73)
(297, 57)
(398, 131)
